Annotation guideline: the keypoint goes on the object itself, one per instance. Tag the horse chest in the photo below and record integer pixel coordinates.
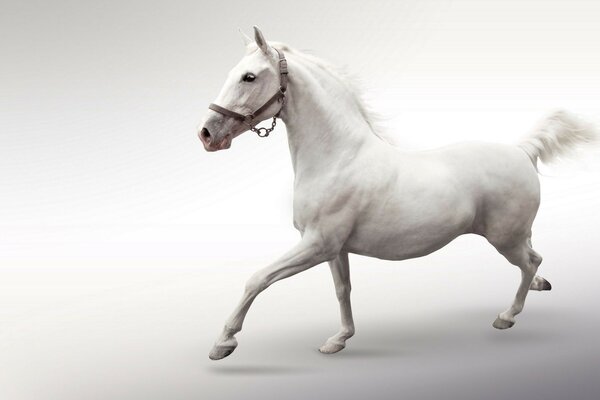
(315, 201)
(305, 209)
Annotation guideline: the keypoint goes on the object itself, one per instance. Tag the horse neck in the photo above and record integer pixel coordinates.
(324, 124)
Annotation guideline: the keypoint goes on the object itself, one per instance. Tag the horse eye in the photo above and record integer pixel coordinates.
(249, 77)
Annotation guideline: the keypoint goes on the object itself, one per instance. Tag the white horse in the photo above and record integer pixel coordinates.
(355, 193)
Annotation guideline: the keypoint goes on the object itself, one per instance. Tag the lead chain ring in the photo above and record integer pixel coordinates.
(264, 132)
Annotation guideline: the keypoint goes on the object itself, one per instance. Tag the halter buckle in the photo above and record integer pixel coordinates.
(283, 69)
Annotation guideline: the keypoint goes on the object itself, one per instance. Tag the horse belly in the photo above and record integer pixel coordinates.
(392, 238)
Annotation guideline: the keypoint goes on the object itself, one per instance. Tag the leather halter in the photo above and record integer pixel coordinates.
(279, 96)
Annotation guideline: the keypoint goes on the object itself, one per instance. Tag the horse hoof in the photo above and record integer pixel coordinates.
(220, 351)
(546, 285)
(330, 348)
(502, 323)
(540, 284)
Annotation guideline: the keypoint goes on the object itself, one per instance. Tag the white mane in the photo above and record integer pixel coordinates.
(348, 81)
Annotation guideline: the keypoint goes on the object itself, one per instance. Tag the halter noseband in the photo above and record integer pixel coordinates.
(279, 96)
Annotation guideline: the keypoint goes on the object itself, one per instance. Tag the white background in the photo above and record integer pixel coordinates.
(124, 246)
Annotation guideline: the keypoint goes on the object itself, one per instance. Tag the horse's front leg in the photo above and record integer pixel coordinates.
(340, 270)
(311, 250)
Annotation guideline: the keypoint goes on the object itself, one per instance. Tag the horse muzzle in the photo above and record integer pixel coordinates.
(213, 143)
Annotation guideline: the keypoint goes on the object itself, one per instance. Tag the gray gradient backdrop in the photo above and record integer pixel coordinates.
(124, 246)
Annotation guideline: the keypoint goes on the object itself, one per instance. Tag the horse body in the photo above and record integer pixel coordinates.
(355, 193)
(388, 203)
(429, 198)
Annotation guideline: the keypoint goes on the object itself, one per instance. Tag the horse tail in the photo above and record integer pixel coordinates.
(559, 135)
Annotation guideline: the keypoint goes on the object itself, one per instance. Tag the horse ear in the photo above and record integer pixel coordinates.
(245, 37)
(260, 40)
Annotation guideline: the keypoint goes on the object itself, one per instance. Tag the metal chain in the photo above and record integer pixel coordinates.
(264, 132)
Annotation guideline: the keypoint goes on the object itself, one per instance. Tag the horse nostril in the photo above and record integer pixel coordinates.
(205, 135)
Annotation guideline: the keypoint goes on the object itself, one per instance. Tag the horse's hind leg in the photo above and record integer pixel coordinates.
(523, 256)
(340, 269)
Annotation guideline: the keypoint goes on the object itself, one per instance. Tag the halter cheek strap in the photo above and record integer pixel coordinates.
(279, 96)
